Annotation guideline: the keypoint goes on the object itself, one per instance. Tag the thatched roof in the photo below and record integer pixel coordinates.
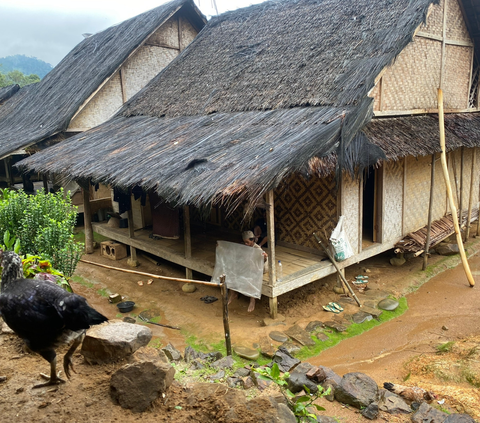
(288, 82)
(471, 13)
(7, 92)
(419, 135)
(48, 109)
(282, 54)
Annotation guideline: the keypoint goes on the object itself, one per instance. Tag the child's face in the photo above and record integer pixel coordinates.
(249, 242)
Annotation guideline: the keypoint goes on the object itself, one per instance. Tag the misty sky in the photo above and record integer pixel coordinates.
(49, 29)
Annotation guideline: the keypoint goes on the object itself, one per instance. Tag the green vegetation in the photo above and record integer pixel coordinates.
(299, 405)
(44, 224)
(353, 330)
(17, 77)
(445, 348)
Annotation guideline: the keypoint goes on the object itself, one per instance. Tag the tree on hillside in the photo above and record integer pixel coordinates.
(17, 77)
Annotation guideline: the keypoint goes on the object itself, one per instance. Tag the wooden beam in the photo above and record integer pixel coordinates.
(272, 274)
(404, 194)
(123, 85)
(470, 195)
(187, 238)
(132, 261)
(444, 55)
(87, 220)
(430, 207)
(448, 41)
(180, 34)
(393, 113)
(360, 214)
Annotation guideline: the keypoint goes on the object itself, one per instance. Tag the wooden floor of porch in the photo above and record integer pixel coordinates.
(297, 265)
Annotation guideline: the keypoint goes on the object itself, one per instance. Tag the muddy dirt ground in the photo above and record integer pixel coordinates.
(443, 309)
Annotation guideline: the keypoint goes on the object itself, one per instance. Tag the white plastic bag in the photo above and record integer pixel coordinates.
(242, 267)
(340, 243)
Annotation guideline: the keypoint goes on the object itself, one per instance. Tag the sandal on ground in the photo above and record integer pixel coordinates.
(328, 307)
(336, 306)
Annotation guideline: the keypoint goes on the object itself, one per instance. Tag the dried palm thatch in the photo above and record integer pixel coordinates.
(262, 92)
(7, 92)
(48, 108)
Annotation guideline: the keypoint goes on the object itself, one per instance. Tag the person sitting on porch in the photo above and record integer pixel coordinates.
(260, 230)
(249, 240)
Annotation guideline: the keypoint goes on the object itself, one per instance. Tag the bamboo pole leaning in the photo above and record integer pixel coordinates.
(470, 195)
(446, 176)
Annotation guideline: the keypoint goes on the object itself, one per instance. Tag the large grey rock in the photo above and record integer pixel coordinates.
(298, 379)
(447, 249)
(357, 389)
(459, 418)
(135, 386)
(392, 403)
(284, 360)
(331, 377)
(172, 353)
(427, 413)
(114, 341)
(245, 352)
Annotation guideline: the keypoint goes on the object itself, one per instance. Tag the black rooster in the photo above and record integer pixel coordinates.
(43, 314)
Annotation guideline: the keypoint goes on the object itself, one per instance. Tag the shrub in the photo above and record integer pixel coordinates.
(44, 225)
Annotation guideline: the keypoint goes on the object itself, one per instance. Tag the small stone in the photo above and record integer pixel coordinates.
(388, 304)
(375, 312)
(314, 325)
(336, 326)
(3, 379)
(242, 372)
(245, 352)
(247, 382)
(322, 337)
(224, 363)
(290, 347)
(444, 328)
(172, 353)
(299, 335)
(278, 336)
(189, 288)
(280, 320)
(233, 382)
(129, 320)
(218, 376)
(197, 365)
(367, 271)
(339, 290)
(284, 360)
(371, 412)
(361, 317)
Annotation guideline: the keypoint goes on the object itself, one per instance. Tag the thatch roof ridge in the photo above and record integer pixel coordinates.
(283, 54)
(8, 91)
(48, 109)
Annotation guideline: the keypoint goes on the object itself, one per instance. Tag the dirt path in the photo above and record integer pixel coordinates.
(446, 300)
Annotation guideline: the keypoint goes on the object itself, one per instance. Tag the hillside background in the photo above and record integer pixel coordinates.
(24, 64)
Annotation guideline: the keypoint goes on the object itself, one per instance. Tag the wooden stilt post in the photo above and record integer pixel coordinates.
(8, 172)
(187, 239)
(132, 261)
(87, 219)
(470, 195)
(45, 183)
(460, 201)
(272, 272)
(449, 190)
(226, 324)
(430, 207)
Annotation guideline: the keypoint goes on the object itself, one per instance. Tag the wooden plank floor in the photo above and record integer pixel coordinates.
(203, 249)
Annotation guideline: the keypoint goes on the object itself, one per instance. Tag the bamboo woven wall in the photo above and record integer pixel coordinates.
(303, 207)
(101, 107)
(393, 200)
(351, 211)
(159, 50)
(412, 81)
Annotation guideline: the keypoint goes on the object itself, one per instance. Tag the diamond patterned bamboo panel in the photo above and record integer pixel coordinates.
(393, 201)
(303, 207)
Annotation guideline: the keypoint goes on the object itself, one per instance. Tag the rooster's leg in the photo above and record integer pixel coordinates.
(54, 379)
(67, 359)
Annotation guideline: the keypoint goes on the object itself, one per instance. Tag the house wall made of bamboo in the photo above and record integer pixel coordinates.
(155, 54)
(411, 82)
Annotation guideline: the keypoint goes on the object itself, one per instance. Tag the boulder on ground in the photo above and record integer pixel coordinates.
(427, 413)
(392, 403)
(284, 360)
(172, 353)
(114, 341)
(298, 379)
(357, 389)
(135, 386)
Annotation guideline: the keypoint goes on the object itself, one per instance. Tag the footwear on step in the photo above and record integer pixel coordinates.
(336, 306)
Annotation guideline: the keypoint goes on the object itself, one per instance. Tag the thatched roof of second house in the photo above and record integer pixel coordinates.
(258, 94)
(8, 91)
(47, 109)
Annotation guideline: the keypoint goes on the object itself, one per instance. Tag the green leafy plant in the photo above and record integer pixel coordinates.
(444, 348)
(299, 405)
(44, 224)
(10, 243)
(37, 268)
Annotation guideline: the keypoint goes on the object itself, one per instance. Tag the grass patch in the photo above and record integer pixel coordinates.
(353, 330)
(104, 292)
(82, 281)
(155, 343)
(79, 236)
(445, 348)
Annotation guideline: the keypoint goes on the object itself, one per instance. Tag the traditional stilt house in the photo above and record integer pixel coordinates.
(311, 108)
(94, 80)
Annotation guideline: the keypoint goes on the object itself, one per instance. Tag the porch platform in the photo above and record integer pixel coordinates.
(299, 267)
